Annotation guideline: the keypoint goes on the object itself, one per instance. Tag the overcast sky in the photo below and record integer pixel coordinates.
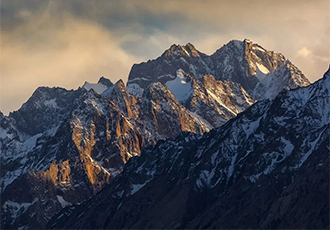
(65, 43)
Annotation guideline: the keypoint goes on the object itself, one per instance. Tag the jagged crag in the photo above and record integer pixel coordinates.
(192, 141)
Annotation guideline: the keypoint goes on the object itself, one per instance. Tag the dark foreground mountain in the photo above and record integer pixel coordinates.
(63, 146)
(266, 168)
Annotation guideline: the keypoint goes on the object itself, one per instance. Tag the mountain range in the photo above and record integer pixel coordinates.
(267, 168)
(177, 147)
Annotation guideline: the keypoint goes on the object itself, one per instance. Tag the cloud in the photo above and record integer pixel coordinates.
(304, 52)
(64, 53)
(67, 42)
(276, 25)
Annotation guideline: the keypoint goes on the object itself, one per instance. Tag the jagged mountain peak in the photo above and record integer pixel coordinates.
(192, 50)
(244, 42)
(239, 45)
(157, 89)
(105, 81)
(250, 63)
(120, 83)
(190, 46)
(119, 86)
(43, 109)
(179, 50)
(245, 47)
(234, 43)
(99, 87)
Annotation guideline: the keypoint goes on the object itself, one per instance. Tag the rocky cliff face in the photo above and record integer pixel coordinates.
(44, 109)
(266, 168)
(216, 102)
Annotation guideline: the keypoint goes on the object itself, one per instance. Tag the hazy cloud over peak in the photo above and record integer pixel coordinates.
(64, 43)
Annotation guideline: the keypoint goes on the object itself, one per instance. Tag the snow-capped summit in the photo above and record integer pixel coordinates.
(178, 50)
(249, 64)
(244, 62)
(102, 85)
(164, 68)
(105, 81)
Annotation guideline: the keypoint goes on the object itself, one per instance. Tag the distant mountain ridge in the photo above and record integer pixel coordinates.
(243, 62)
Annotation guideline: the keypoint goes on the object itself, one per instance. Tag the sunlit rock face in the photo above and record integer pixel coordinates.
(82, 147)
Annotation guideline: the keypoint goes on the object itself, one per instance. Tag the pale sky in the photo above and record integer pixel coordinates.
(65, 43)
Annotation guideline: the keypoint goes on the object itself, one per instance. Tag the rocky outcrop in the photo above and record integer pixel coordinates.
(159, 108)
(216, 102)
(105, 81)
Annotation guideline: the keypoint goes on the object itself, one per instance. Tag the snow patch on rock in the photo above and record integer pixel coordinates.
(262, 71)
(180, 87)
(98, 87)
(135, 90)
(63, 202)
